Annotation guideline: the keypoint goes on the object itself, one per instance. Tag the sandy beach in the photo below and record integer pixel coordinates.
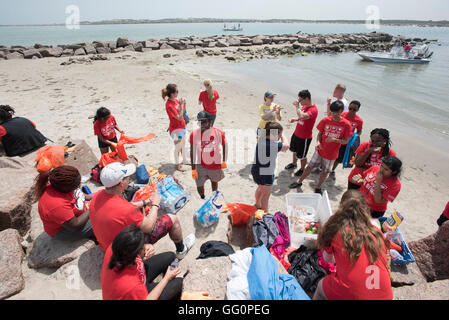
(60, 99)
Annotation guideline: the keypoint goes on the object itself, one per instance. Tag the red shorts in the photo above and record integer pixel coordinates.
(162, 226)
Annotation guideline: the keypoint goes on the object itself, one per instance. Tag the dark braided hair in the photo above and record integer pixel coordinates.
(102, 113)
(126, 246)
(64, 179)
(6, 112)
(386, 135)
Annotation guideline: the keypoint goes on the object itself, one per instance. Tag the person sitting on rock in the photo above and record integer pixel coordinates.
(130, 267)
(62, 205)
(18, 135)
(110, 213)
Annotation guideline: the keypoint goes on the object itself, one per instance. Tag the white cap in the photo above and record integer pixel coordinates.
(114, 173)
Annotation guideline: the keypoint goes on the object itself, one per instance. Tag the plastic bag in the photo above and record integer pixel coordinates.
(108, 158)
(209, 213)
(173, 197)
(130, 140)
(142, 175)
(49, 157)
(145, 194)
(240, 212)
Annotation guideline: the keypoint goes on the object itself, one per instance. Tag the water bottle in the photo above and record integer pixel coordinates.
(86, 190)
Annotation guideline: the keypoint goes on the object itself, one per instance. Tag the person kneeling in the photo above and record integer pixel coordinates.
(130, 267)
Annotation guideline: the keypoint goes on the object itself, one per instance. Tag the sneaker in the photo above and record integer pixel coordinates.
(295, 185)
(290, 166)
(318, 191)
(332, 175)
(188, 243)
(299, 173)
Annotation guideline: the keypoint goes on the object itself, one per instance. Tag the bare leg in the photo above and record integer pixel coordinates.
(258, 197)
(176, 231)
(303, 163)
(335, 165)
(104, 150)
(323, 177)
(295, 159)
(305, 174)
(214, 186)
(266, 193)
(319, 292)
(178, 150)
(201, 191)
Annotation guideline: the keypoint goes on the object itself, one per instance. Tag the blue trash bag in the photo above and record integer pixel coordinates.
(406, 255)
(352, 144)
(209, 213)
(142, 175)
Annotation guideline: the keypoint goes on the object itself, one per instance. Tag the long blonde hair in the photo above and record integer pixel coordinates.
(210, 89)
(353, 220)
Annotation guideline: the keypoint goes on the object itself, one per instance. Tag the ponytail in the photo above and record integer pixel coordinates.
(210, 89)
(41, 182)
(169, 90)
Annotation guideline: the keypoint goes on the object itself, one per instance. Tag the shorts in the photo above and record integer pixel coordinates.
(341, 153)
(353, 186)
(300, 146)
(318, 161)
(261, 180)
(162, 226)
(206, 174)
(102, 145)
(177, 135)
(258, 131)
(377, 214)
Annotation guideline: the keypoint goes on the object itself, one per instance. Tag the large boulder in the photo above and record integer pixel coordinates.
(16, 194)
(103, 50)
(67, 53)
(164, 46)
(123, 42)
(138, 47)
(11, 255)
(234, 42)
(431, 254)
(129, 47)
(14, 55)
(90, 49)
(51, 52)
(153, 45)
(222, 44)
(29, 54)
(257, 40)
(111, 44)
(80, 52)
(209, 275)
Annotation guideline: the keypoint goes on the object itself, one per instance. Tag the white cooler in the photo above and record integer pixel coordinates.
(322, 207)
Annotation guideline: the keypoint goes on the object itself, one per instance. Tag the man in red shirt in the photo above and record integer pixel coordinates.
(357, 124)
(110, 213)
(333, 132)
(205, 154)
(302, 137)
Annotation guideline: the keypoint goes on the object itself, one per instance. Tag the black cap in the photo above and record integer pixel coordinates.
(203, 115)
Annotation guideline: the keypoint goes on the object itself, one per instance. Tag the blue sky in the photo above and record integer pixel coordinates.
(53, 11)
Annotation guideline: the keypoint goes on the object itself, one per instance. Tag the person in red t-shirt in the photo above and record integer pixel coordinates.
(176, 111)
(205, 155)
(61, 206)
(444, 216)
(104, 128)
(357, 125)
(370, 154)
(380, 185)
(333, 132)
(302, 137)
(130, 267)
(110, 212)
(208, 99)
(360, 252)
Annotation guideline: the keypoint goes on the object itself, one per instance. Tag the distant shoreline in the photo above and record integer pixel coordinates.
(415, 23)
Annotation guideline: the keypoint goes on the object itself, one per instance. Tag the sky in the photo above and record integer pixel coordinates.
(54, 11)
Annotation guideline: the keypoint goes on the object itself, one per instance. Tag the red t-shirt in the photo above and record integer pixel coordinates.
(207, 145)
(390, 189)
(173, 108)
(335, 129)
(105, 129)
(126, 284)
(304, 127)
(375, 159)
(110, 214)
(356, 122)
(209, 105)
(3, 131)
(446, 211)
(56, 207)
(358, 281)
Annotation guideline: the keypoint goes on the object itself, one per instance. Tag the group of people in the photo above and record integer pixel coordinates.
(126, 233)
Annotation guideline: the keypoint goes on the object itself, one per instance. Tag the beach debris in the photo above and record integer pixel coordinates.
(167, 55)
(11, 277)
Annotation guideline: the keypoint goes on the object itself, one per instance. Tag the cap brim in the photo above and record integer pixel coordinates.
(130, 169)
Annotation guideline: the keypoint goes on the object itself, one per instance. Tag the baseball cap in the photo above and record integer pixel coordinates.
(114, 173)
(203, 115)
(269, 94)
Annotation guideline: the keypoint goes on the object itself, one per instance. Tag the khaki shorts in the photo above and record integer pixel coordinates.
(205, 174)
(319, 161)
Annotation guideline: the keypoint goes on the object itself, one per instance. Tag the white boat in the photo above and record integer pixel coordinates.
(234, 28)
(417, 55)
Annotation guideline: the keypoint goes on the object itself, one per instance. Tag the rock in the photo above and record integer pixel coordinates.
(50, 253)
(431, 254)
(437, 290)
(177, 45)
(111, 44)
(73, 46)
(17, 194)
(103, 50)
(209, 275)
(40, 46)
(257, 41)
(197, 43)
(166, 55)
(212, 44)
(117, 50)
(234, 42)
(2, 55)
(80, 52)
(230, 58)
(123, 42)
(14, 55)
(165, 46)
(83, 158)
(314, 41)
(129, 48)
(11, 255)
(199, 53)
(90, 49)
(52, 52)
(67, 53)
(222, 44)
(138, 47)
(153, 45)
(99, 44)
(407, 275)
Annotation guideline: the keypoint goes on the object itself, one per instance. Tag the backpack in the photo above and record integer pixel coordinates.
(95, 174)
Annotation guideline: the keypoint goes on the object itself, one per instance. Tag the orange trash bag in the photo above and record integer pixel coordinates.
(49, 157)
(240, 212)
(107, 158)
(130, 140)
(145, 194)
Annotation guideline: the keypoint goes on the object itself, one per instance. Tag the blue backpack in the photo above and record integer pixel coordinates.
(142, 175)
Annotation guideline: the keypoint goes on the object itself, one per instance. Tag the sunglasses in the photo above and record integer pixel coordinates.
(353, 109)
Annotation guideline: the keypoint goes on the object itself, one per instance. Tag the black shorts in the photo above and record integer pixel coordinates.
(353, 186)
(377, 214)
(341, 153)
(261, 180)
(300, 146)
(102, 145)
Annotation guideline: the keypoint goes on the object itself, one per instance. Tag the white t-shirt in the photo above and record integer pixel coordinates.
(345, 102)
